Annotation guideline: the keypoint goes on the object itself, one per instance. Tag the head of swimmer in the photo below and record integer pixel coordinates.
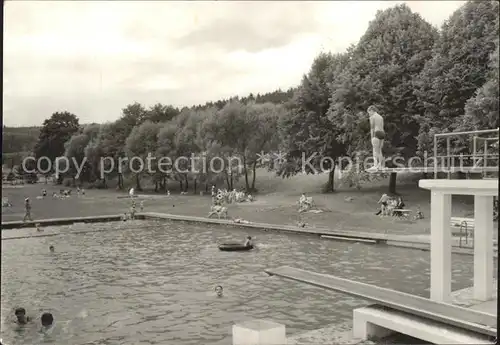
(21, 316)
(372, 110)
(47, 319)
(52, 249)
(219, 290)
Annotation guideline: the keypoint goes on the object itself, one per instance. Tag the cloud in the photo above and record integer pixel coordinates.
(253, 26)
(93, 58)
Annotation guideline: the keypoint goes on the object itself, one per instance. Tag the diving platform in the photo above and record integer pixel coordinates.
(448, 314)
(418, 170)
(478, 156)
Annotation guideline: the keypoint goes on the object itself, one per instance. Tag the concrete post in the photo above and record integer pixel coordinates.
(440, 247)
(483, 247)
(259, 332)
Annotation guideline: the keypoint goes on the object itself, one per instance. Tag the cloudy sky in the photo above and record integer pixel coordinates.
(93, 58)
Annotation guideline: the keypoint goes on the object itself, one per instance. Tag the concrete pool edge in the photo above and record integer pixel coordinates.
(404, 241)
(60, 221)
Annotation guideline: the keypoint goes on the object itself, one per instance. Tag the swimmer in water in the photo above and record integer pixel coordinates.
(22, 319)
(219, 290)
(52, 249)
(38, 228)
(248, 242)
(47, 320)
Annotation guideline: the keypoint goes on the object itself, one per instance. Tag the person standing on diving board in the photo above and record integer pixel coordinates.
(377, 135)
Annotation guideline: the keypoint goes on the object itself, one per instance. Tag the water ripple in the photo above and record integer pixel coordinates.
(153, 282)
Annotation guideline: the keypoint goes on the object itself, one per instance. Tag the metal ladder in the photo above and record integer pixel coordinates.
(464, 232)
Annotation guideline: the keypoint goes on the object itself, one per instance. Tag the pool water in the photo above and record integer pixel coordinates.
(152, 282)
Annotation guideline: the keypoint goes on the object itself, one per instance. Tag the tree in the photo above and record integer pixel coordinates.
(481, 111)
(264, 140)
(141, 143)
(307, 130)
(133, 115)
(161, 113)
(187, 146)
(75, 151)
(110, 142)
(381, 68)
(459, 65)
(233, 128)
(165, 148)
(55, 131)
(209, 148)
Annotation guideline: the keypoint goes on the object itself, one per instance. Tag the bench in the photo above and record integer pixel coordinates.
(467, 223)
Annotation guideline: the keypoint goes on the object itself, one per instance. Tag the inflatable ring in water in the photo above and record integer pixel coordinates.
(234, 247)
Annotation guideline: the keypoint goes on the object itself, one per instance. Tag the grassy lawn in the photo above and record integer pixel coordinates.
(346, 209)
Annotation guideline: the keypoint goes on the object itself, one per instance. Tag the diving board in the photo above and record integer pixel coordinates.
(465, 318)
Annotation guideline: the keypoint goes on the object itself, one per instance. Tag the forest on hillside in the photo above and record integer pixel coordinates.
(421, 79)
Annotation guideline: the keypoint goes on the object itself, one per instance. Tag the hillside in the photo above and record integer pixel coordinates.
(19, 139)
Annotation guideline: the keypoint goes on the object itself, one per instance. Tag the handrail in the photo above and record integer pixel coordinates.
(484, 155)
(484, 131)
(461, 155)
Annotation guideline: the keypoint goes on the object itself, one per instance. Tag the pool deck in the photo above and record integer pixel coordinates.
(421, 242)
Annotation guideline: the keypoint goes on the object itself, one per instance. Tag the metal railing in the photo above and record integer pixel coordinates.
(477, 157)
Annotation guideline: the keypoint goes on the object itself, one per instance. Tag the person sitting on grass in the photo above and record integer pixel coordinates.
(6, 202)
(419, 215)
(21, 317)
(248, 242)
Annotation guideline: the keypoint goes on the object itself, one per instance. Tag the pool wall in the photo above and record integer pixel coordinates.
(420, 242)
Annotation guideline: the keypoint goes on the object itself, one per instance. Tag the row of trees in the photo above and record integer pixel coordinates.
(422, 79)
(237, 130)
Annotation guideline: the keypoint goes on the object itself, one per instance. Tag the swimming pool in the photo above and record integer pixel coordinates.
(152, 282)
